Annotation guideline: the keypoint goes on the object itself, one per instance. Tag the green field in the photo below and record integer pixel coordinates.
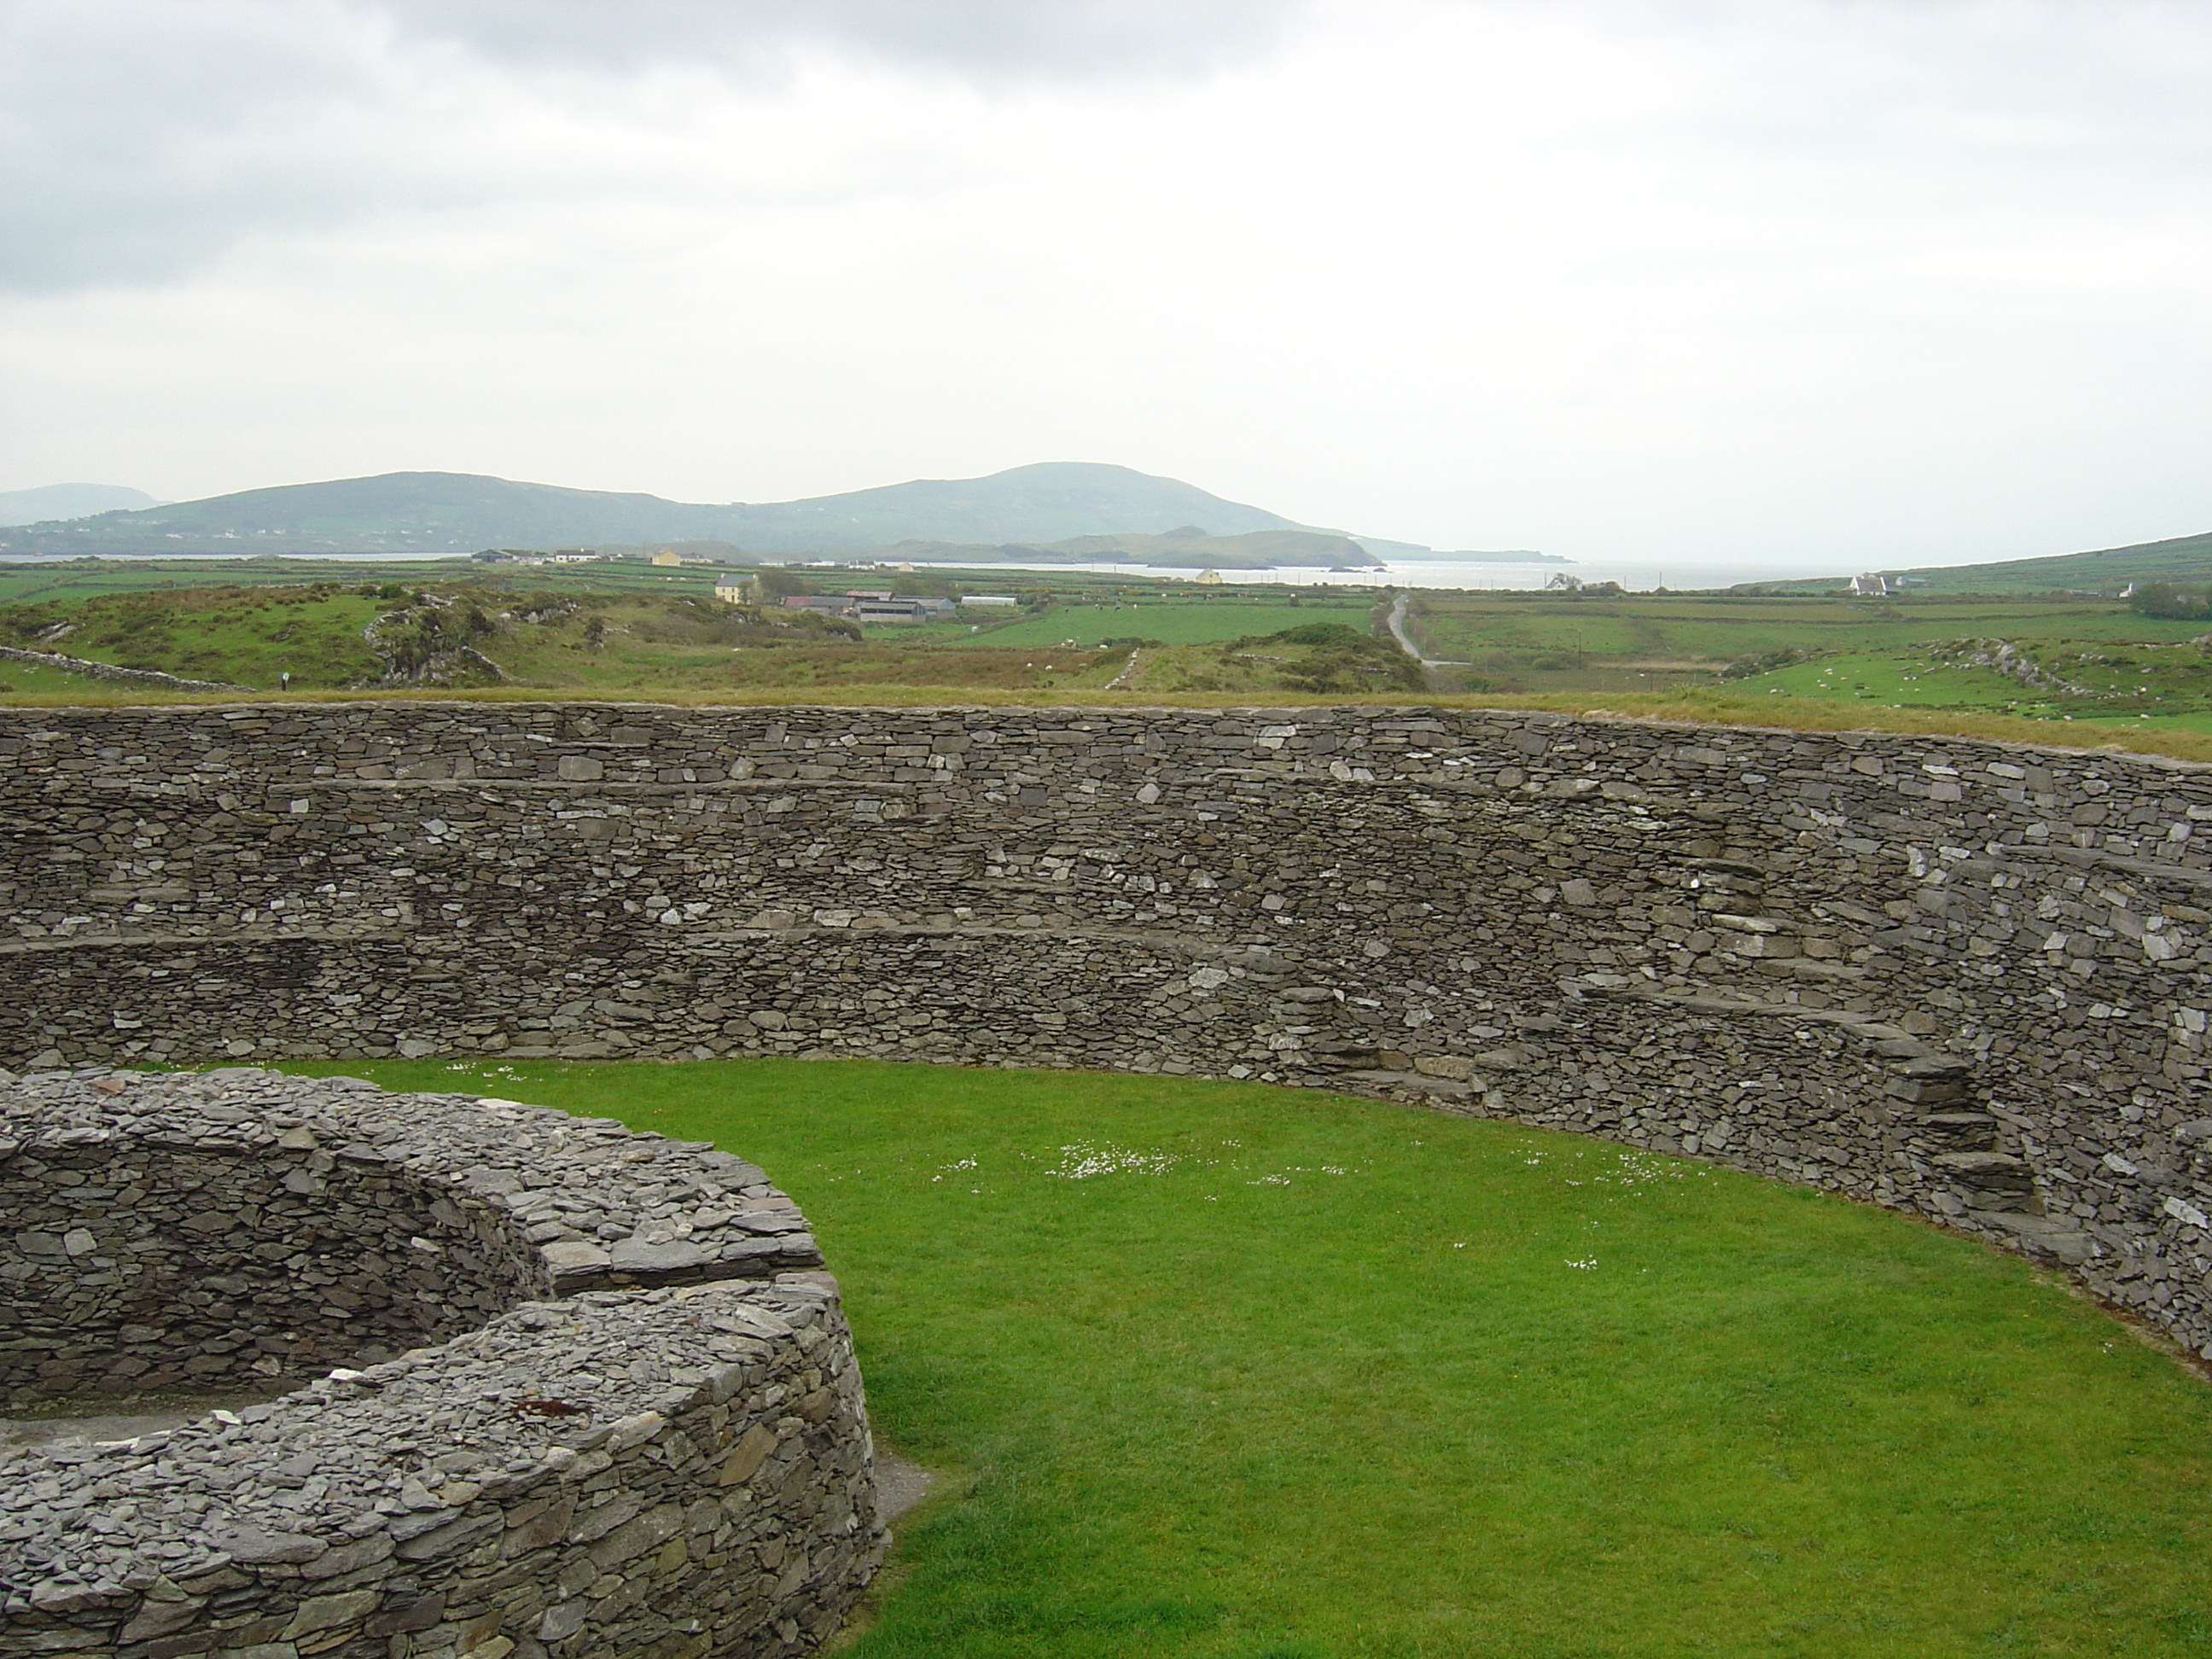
(1196, 618)
(37, 680)
(2153, 685)
(630, 630)
(1534, 642)
(1890, 678)
(1220, 1371)
(78, 579)
(665, 632)
(61, 579)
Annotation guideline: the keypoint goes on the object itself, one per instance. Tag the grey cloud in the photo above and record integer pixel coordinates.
(990, 40)
(140, 139)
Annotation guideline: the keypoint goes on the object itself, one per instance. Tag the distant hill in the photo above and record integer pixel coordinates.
(1185, 547)
(67, 500)
(432, 513)
(2181, 558)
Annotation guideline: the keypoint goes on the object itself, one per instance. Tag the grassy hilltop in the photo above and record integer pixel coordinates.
(2106, 569)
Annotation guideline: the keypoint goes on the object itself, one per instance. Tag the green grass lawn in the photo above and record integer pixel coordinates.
(1244, 1373)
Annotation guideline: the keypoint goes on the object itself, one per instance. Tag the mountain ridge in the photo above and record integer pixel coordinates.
(50, 503)
(432, 513)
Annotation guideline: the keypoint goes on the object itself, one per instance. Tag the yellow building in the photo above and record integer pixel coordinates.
(1210, 578)
(668, 556)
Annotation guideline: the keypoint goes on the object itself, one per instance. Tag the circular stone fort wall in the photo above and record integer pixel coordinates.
(581, 1390)
(1963, 979)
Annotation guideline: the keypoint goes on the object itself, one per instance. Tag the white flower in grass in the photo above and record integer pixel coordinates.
(1083, 1160)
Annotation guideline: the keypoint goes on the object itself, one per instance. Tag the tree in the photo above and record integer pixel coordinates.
(774, 586)
(2169, 599)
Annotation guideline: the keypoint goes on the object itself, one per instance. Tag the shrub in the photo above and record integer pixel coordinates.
(1751, 667)
(2170, 599)
(1337, 634)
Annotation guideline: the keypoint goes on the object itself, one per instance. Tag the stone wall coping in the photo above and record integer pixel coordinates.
(636, 1209)
(411, 1456)
(1313, 713)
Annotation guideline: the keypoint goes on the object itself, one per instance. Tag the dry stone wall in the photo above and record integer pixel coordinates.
(222, 1230)
(675, 1463)
(85, 668)
(1963, 979)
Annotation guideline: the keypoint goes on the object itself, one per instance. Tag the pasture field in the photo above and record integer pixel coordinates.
(1221, 1371)
(1536, 642)
(478, 635)
(26, 581)
(2151, 685)
(1893, 679)
(238, 635)
(37, 680)
(1203, 617)
(2102, 673)
(499, 631)
(82, 579)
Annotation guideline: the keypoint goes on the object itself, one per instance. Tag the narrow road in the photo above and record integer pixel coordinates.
(1405, 640)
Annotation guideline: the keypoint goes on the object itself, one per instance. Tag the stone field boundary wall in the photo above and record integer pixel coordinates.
(671, 1460)
(89, 670)
(1966, 979)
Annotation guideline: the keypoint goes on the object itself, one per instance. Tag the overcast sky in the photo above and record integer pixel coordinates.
(1798, 283)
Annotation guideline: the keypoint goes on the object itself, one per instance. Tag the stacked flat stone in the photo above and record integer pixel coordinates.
(1971, 980)
(673, 1460)
(222, 1229)
(672, 1471)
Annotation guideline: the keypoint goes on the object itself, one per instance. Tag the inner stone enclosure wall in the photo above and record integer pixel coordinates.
(280, 1227)
(642, 1435)
(1963, 979)
(240, 1267)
